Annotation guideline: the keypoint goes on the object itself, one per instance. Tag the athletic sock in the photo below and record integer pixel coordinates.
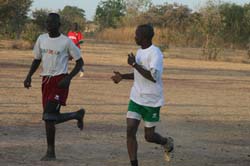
(134, 163)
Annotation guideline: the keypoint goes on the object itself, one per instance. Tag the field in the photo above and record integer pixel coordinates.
(207, 112)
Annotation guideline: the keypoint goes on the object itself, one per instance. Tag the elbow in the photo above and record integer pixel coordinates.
(80, 62)
(152, 79)
(37, 61)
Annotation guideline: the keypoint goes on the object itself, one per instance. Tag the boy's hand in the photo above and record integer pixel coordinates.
(27, 82)
(64, 83)
(117, 77)
(70, 58)
(131, 59)
(81, 42)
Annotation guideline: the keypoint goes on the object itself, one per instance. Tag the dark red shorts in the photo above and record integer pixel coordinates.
(51, 91)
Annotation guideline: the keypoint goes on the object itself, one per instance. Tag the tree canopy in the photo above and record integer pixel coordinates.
(109, 12)
(13, 16)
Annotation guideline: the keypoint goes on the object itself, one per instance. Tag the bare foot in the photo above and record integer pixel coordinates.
(80, 123)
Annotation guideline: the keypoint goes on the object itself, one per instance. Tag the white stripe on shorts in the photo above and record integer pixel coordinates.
(134, 115)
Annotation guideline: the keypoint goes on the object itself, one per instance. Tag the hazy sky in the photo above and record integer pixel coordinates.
(90, 5)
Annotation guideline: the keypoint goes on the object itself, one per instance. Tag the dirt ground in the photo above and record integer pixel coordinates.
(207, 112)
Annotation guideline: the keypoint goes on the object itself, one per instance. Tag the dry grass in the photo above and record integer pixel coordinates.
(15, 44)
(126, 35)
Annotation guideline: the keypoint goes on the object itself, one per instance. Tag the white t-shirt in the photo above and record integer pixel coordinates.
(54, 53)
(144, 91)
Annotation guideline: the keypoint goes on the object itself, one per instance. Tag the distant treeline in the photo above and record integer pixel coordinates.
(214, 26)
(18, 22)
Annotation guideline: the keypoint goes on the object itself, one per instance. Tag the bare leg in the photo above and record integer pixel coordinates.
(153, 137)
(78, 115)
(50, 133)
(132, 146)
(52, 117)
(167, 143)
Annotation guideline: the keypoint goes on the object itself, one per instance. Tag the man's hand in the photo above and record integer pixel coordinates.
(131, 59)
(64, 83)
(27, 82)
(117, 77)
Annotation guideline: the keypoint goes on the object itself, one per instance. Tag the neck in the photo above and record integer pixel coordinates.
(54, 34)
(146, 45)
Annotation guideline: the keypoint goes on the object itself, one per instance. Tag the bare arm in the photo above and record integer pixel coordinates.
(66, 81)
(79, 64)
(128, 76)
(145, 73)
(34, 66)
(118, 76)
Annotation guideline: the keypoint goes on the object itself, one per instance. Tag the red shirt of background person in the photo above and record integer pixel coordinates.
(75, 35)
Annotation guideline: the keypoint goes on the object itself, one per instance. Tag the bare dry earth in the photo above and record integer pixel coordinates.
(207, 113)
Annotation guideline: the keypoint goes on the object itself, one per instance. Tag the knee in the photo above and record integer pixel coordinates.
(49, 124)
(131, 132)
(149, 137)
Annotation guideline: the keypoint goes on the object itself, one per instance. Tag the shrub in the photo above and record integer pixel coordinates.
(30, 33)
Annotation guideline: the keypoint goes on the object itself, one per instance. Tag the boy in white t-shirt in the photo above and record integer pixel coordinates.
(53, 50)
(146, 96)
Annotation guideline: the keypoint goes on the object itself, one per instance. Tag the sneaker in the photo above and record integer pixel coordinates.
(81, 74)
(80, 123)
(168, 148)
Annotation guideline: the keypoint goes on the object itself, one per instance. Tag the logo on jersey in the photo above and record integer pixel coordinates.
(56, 97)
(50, 52)
(154, 115)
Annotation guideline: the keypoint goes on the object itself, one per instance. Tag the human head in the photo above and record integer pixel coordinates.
(75, 26)
(144, 34)
(53, 22)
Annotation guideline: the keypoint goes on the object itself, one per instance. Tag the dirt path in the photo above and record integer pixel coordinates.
(207, 112)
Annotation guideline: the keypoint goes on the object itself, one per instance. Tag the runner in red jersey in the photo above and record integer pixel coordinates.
(77, 37)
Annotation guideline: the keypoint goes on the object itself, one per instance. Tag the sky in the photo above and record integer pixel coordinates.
(90, 5)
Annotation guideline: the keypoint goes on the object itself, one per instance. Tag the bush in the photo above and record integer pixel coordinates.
(30, 33)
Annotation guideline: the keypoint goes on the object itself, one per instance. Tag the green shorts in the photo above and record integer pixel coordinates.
(148, 114)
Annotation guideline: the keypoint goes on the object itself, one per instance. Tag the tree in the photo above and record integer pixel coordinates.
(39, 18)
(232, 19)
(136, 6)
(134, 10)
(195, 32)
(71, 14)
(13, 16)
(109, 13)
(211, 27)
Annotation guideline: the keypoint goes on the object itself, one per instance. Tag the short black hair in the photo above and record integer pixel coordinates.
(55, 15)
(147, 31)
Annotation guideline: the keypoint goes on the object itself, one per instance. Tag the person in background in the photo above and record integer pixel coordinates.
(77, 37)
